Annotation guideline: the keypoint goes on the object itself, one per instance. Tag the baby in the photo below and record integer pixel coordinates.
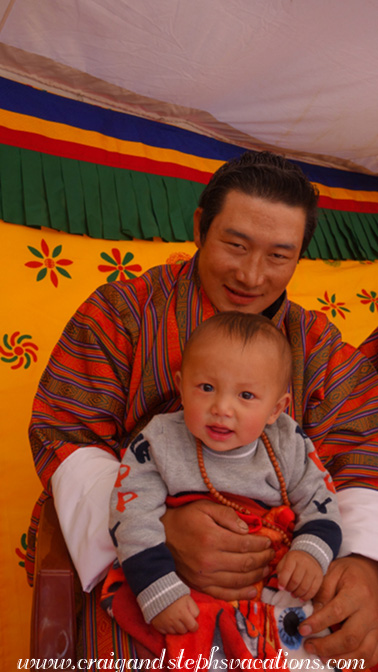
(234, 383)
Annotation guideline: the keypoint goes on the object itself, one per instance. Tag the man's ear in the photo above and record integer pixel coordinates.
(279, 408)
(196, 227)
(178, 380)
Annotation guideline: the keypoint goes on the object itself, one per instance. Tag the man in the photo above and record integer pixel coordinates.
(114, 368)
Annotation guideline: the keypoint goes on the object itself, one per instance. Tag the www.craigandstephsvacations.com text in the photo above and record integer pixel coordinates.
(181, 662)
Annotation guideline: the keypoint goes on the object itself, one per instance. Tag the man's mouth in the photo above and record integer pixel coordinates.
(241, 297)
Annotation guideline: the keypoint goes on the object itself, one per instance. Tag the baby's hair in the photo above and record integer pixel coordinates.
(245, 328)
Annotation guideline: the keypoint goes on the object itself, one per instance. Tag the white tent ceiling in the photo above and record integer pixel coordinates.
(297, 74)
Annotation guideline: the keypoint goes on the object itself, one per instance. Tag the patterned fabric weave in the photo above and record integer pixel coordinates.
(114, 365)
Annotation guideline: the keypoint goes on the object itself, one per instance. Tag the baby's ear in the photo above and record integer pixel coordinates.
(178, 380)
(279, 408)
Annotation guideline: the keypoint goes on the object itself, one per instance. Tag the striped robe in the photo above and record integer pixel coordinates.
(113, 369)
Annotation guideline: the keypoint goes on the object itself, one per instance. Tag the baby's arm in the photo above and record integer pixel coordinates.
(300, 574)
(178, 618)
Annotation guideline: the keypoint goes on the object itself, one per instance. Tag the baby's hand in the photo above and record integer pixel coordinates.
(178, 618)
(300, 574)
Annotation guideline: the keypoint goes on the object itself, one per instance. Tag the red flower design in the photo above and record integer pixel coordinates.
(49, 262)
(335, 308)
(178, 258)
(18, 351)
(120, 268)
(371, 298)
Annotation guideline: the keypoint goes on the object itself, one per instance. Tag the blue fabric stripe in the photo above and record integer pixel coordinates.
(327, 530)
(142, 569)
(24, 99)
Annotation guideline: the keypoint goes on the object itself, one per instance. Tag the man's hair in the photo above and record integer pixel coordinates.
(264, 175)
(245, 328)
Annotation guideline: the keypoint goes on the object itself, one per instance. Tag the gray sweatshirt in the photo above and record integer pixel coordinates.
(162, 461)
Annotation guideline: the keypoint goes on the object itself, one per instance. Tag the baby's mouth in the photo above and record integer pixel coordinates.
(218, 429)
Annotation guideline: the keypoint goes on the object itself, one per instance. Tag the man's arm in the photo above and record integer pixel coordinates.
(341, 417)
(77, 428)
(81, 488)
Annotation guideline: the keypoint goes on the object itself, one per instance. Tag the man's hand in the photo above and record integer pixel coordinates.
(300, 574)
(178, 618)
(213, 551)
(349, 595)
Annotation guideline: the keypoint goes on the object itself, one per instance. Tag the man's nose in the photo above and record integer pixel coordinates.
(250, 271)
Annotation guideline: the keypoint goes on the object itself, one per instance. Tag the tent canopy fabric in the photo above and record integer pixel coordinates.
(296, 75)
(81, 168)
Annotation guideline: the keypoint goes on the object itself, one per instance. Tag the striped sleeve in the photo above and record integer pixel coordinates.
(341, 406)
(83, 392)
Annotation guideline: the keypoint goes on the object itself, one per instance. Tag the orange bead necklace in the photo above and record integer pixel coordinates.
(242, 509)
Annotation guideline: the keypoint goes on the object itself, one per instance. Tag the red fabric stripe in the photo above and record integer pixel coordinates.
(347, 205)
(72, 150)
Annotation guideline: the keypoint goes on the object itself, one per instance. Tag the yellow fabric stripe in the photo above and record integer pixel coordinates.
(347, 194)
(66, 133)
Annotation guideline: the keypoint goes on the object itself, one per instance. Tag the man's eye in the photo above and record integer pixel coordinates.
(277, 255)
(206, 387)
(247, 395)
(234, 245)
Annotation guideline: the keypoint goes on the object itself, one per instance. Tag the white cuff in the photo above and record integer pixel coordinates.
(82, 485)
(358, 508)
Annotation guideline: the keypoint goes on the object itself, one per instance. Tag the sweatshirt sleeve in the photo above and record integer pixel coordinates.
(136, 505)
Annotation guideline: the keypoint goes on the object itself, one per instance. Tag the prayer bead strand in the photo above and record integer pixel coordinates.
(237, 507)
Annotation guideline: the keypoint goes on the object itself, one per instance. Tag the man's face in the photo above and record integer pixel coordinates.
(250, 252)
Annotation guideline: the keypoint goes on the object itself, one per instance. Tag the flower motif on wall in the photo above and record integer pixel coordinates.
(332, 262)
(18, 351)
(22, 553)
(120, 267)
(49, 262)
(370, 298)
(178, 258)
(336, 308)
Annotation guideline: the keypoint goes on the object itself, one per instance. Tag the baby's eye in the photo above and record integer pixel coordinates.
(246, 395)
(206, 387)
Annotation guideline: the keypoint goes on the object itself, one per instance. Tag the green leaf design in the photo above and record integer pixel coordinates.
(129, 274)
(23, 338)
(106, 257)
(36, 252)
(63, 271)
(333, 298)
(6, 343)
(372, 307)
(333, 312)
(112, 276)
(42, 274)
(128, 257)
(56, 252)
(28, 360)
(321, 301)
(12, 359)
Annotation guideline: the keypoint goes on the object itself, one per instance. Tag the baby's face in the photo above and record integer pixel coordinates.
(230, 391)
